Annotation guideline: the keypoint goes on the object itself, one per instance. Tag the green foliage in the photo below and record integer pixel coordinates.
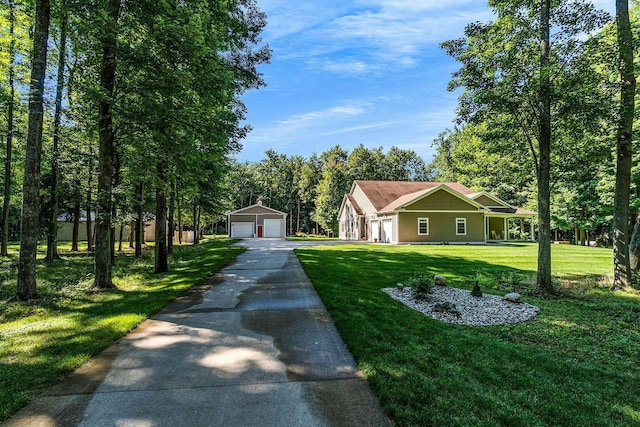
(43, 340)
(425, 372)
(476, 291)
(421, 285)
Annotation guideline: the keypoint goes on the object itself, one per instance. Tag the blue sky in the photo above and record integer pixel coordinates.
(356, 72)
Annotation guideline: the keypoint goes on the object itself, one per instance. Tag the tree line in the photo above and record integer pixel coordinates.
(310, 189)
(120, 108)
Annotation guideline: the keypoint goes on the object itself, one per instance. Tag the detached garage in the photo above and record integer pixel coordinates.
(257, 221)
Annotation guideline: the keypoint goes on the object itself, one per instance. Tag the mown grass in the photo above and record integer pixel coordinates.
(575, 364)
(43, 340)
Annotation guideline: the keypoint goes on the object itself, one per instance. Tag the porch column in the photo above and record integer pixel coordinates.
(532, 237)
(505, 229)
(486, 228)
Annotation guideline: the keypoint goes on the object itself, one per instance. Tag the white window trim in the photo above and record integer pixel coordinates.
(423, 221)
(461, 221)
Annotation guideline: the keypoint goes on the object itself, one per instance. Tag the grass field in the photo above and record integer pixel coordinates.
(576, 364)
(43, 340)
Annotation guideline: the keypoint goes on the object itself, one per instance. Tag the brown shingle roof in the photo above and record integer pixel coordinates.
(383, 193)
(355, 205)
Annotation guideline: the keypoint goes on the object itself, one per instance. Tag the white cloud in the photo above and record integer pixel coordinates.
(353, 109)
(346, 67)
(397, 32)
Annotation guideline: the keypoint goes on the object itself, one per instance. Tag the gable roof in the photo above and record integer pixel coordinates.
(407, 199)
(499, 201)
(355, 204)
(257, 205)
(382, 194)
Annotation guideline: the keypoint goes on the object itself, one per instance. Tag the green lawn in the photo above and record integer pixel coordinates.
(576, 364)
(41, 341)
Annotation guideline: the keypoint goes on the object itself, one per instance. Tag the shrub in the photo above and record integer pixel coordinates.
(421, 286)
(476, 292)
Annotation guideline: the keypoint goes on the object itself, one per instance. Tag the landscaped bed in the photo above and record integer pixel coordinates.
(42, 340)
(574, 364)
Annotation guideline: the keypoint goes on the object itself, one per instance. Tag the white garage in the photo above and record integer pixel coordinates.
(256, 221)
(241, 229)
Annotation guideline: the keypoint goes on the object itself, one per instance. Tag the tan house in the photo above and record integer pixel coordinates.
(256, 221)
(429, 212)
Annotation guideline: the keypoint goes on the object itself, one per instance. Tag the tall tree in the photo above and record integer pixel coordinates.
(30, 229)
(622, 269)
(104, 245)
(544, 283)
(52, 232)
(514, 77)
(10, 131)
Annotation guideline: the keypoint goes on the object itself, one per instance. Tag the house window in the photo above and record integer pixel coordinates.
(461, 226)
(423, 226)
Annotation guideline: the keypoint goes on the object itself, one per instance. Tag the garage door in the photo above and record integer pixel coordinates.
(375, 231)
(273, 228)
(241, 229)
(387, 231)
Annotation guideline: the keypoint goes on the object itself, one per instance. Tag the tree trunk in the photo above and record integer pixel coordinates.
(161, 263)
(31, 182)
(179, 221)
(76, 225)
(121, 237)
(112, 236)
(104, 245)
(172, 207)
(298, 218)
(198, 226)
(544, 284)
(90, 201)
(196, 235)
(139, 220)
(52, 234)
(634, 246)
(621, 262)
(6, 204)
(132, 231)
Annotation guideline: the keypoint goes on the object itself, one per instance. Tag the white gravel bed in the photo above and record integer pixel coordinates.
(486, 311)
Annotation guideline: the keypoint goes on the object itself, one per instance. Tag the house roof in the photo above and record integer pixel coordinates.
(414, 197)
(382, 194)
(388, 196)
(355, 204)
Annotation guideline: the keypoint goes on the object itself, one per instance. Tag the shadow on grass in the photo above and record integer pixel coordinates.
(72, 322)
(572, 365)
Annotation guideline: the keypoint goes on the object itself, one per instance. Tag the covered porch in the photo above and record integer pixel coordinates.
(508, 227)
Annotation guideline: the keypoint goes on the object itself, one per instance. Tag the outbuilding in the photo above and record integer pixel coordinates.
(256, 221)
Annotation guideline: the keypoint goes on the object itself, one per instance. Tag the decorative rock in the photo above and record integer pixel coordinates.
(439, 281)
(459, 307)
(512, 297)
(400, 286)
(444, 307)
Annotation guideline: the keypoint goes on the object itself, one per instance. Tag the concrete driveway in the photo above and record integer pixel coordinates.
(254, 347)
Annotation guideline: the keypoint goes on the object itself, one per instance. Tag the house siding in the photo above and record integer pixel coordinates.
(487, 201)
(259, 210)
(365, 205)
(442, 227)
(441, 200)
(350, 224)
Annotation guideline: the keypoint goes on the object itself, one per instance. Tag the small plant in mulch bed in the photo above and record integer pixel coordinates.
(421, 286)
(476, 291)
